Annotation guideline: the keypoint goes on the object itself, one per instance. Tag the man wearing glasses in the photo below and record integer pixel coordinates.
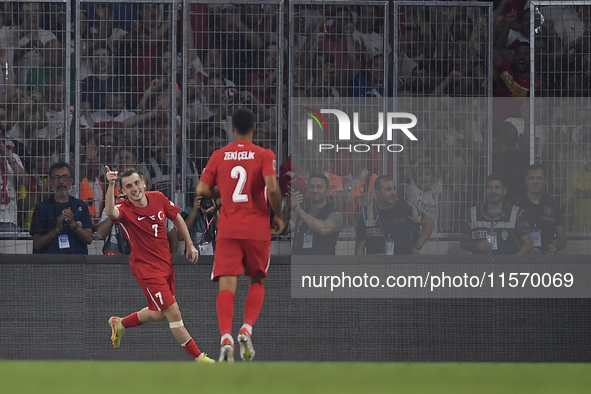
(61, 224)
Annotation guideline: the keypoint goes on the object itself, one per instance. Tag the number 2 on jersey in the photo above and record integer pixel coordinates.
(240, 173)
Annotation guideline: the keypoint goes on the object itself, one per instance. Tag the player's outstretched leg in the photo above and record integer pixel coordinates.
(227, 349)
(245, 342)
(175, 322)
(118, 326)
(117, 330)
(203, 359)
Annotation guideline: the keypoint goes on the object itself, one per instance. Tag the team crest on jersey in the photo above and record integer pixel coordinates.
(160, 216)
(548, 211)
(504, 235)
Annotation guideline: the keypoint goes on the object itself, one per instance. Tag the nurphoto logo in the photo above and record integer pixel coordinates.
(344, 130)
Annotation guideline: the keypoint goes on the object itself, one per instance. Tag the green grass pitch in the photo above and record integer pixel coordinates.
(90, 377)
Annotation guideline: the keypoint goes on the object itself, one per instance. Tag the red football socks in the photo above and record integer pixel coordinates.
(191, 348)
(225, 307)
(131, 321)
(253, 304)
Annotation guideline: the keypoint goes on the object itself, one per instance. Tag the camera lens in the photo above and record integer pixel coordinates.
(206, 203)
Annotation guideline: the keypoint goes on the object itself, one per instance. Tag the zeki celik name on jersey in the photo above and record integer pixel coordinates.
(235, 155)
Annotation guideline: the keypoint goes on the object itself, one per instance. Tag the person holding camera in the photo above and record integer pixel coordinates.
(389, 226)
(201, 221)
(61, 224)
(315, 223)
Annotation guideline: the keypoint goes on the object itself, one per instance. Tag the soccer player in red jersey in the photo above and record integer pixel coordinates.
(246, 180)
(142, 217)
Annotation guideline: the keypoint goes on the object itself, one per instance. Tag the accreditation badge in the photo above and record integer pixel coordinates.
(308, 241)
(206, 249)
(63, 241)
(536, 235)
(492, 239)
(389, 247)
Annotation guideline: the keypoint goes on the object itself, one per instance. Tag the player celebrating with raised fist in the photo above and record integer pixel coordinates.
(142, 216)
(245, 176)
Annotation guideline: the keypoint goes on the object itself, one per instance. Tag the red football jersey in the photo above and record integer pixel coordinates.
(239, 171)
(145, 229)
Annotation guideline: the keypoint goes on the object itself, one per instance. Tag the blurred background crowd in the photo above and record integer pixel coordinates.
(154, 85)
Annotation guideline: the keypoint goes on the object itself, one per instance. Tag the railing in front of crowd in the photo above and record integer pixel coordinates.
(145, 71)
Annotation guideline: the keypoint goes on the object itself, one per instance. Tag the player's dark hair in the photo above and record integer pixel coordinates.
(58, 166)
(319, 176)
(128, 172)
(243, 121)
(495, 177)
(378, 183)
(535, 167)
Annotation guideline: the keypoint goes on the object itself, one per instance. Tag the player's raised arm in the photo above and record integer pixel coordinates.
(110, 208)
(274, 198)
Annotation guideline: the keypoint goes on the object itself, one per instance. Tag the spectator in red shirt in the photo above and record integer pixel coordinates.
(514, 75)
(513, 81)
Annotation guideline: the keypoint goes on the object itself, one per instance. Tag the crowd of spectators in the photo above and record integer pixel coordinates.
(132, 90)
